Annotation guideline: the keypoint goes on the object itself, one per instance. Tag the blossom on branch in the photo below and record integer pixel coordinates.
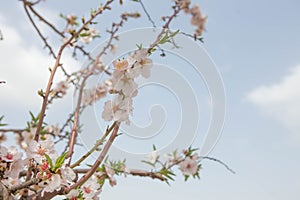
(38, 150)
(87, 36)
(124, 85)
(61, 88)
(91, 188)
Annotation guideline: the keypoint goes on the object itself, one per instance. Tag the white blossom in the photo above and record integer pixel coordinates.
(38, 150)
(27, 136)
(52, 184)
(15, 168)
(125, 83)
(110, 173)
(9, 154)
(117, 109)
(61, 88)
(87, 36)
(67, 173)
(73, 194)
(121, 64)
(142, 67)
(152, 157)
(198, 19)
(94, 94)
(188, 167)
(53, 129)
(90, 188)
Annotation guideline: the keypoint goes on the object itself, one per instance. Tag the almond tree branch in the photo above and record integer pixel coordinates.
(57, 64)
(99, 160)
(43, 19)
(132, 172)
(114, 30)
(26, 184)
(165, 27)
(18, 131)
(98, 143)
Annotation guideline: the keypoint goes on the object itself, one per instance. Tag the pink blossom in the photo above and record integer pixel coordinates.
(90, 188)
(118, 109)
(189, 166)
(38, 150)
(52, 184)
(9, 154)
(15, 168)
(73, 194)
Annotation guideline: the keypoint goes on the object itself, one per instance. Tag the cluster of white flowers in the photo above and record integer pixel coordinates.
(198, 19)
(152, 157)
(61, 88)
(89, 190)
(94, 94)
(53, 129)
(88, 35)
(11, 164)
(85, 36)
(51, 181)
(124, 85)
(38, 150)
(25, 137)
(184, 4)
(188, 164)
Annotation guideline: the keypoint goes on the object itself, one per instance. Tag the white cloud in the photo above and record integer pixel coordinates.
(281, 100)
(24, 68)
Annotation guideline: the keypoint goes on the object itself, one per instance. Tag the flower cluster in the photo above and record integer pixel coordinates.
(188, 163)
(11, 162)
(198, 20)
(54, 177)
(89, 190)
(85, 36)
(53, 129)
(124, 85)
(88, 35)
(184, 4)
(60, 89)
(94, 94)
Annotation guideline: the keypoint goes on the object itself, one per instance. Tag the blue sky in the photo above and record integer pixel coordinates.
(256, 47)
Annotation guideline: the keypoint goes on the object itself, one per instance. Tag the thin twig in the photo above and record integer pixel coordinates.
(18, 131)
(45, 21)
(57, 64)
(38, 30)
(96, 146)
(147, 13)
(26, 184)
(99, 160)
(220, 162)
(165, 27)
